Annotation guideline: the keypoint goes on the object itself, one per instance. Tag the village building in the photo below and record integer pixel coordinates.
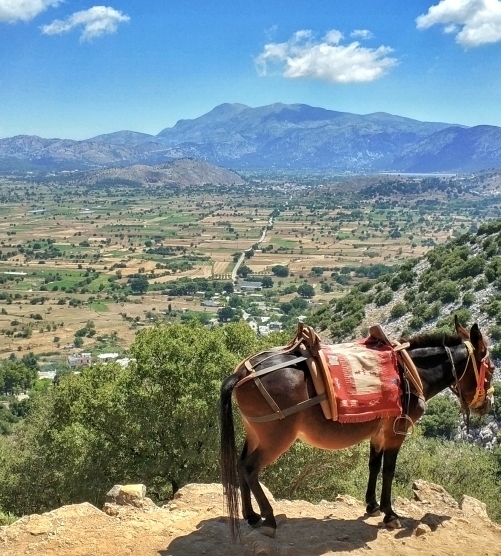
(103, 357)
(80, 360)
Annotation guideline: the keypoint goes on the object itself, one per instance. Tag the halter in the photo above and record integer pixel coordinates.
(480, 392)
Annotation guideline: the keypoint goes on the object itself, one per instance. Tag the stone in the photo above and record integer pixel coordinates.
(110, 509)
(127, 495)
(472, 506)
(38, 525)
(422, 529)
(261, 548)
(431, 493)
(111, 495)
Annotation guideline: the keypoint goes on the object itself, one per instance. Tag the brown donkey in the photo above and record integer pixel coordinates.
(442, 361)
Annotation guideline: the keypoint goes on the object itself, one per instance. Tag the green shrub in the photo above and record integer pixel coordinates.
(383, 298)
(441, 418)
(398, 310)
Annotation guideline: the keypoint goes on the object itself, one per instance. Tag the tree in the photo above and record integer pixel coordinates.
(306, 290)
(383, 298)
(266, 282)
(235, 301)
(16, 377)
(78, 342)
(280, 270)
(325, 287)
(228, 287)
(244, 271)
(156, 420)
(299, 304)
(139, 285)
(224, 314)
(286, 307)
(30, 360)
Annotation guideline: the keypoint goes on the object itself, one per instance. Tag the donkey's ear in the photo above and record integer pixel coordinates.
(475, 335)
(461, 330)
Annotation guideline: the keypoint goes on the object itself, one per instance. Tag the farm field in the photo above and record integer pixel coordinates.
(100, 264)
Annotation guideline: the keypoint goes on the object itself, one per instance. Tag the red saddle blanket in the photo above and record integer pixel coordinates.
(365, 379)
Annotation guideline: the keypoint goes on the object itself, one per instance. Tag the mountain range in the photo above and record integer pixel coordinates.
(294, 136)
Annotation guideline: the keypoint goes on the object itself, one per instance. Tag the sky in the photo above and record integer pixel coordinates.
(75, 69)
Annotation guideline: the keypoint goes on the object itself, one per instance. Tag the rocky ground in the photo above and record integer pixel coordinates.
(433, 524)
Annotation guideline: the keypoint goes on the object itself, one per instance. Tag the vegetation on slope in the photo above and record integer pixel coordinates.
(462, 277)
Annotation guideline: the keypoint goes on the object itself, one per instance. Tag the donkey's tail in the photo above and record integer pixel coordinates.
(228, 455)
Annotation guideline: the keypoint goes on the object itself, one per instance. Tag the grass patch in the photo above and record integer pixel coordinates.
(99, 306)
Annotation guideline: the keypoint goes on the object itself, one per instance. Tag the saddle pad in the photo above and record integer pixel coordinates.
(365, 379)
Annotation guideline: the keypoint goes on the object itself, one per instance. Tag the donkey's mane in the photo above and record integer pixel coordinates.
(436, 339)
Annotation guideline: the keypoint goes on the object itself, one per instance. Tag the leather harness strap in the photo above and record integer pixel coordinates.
(254, 374)
(286, 412)
(277, 411)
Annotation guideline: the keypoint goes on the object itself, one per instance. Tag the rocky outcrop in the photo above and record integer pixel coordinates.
(194, 524)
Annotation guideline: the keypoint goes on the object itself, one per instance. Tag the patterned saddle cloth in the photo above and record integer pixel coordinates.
(365, 380)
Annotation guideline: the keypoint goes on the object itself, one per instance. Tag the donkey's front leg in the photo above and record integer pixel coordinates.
(389, 461)
(375, 459)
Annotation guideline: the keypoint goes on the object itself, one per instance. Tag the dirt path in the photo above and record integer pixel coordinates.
(194, 524)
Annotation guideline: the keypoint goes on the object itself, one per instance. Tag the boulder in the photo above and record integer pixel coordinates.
(127, 495)
(473, 507)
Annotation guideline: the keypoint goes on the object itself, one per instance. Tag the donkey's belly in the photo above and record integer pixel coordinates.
(320, 432)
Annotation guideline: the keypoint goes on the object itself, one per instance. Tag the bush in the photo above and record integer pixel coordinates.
(78, 342)
(416, 323)
(447, 291)
(468, 299)
(383, 298)
(398, 310)
(441, 419)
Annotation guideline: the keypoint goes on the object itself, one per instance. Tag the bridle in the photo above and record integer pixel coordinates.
(481, 394)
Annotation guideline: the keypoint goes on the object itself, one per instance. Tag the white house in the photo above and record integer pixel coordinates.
(103, 357)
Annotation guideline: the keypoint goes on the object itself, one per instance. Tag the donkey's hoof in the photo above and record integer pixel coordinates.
(392, 523)
(268, 531)
(255, 521)
(372, 511)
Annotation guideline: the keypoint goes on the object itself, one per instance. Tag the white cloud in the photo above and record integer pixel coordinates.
(304, 57)
(23, 10)
(333, 37)
(363, 34)
(96, 21)
(476, 22)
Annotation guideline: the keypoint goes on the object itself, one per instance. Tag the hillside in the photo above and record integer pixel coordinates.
(460, 277)
(283, 136)
(35, 153)
(454, 149)
(194, 523)
(184, 172)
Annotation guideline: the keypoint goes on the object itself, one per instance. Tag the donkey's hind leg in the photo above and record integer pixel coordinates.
(265, 453)
(249, 469)
(252, 518)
